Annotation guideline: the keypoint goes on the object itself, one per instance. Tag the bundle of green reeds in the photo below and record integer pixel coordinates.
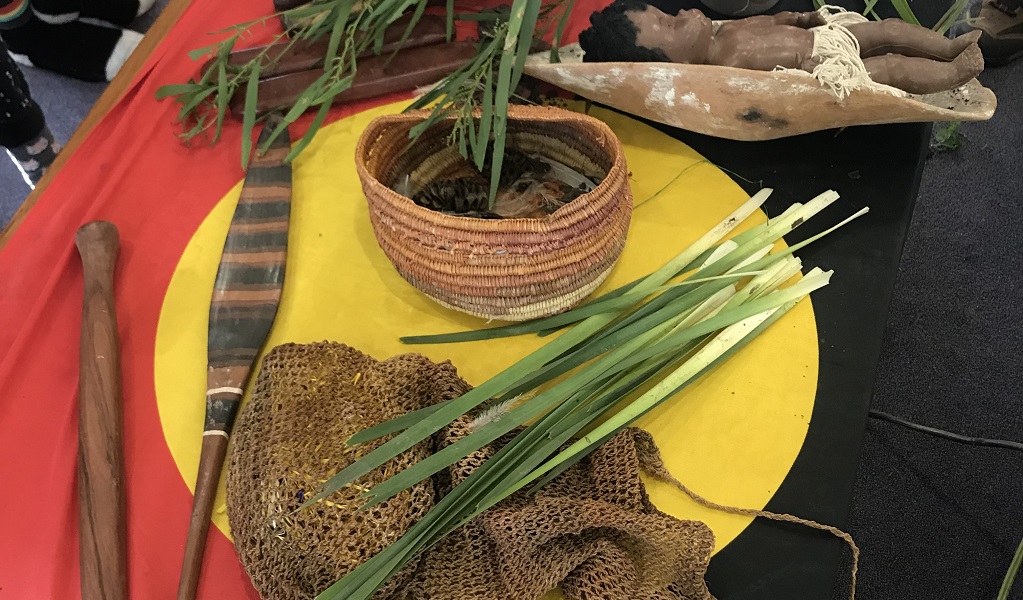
(356, 28)
(666, 329)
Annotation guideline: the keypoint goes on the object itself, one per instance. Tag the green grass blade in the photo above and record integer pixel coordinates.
(447, 515)
(449, 20)
(344, 12)
(611, 398)
(1010, 576)
(559, 31)
(559, 428)
(524, 37)
(222, 98)
(416, 16)
(869, 9)
(448, 85)
(310, 133)
(776, 229)
(515, 417)
(394, 425)
(452, 409)
(905, 12)
(699, 260)
(610, 305)
(949, 18)
(681, 349)
(194, 101)
(728, 317)
(676, 311)
(249, 114)
(505, 76)
(624, 387)
(486, 119)
(174, 89)
(630, 414)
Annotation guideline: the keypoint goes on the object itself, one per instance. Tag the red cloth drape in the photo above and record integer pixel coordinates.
(131, 170)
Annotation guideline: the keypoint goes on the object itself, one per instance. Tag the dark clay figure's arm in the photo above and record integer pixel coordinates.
(895, 36)
(762, 48)
(803, 20)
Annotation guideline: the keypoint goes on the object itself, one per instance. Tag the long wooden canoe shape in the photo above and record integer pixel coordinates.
(746, 105)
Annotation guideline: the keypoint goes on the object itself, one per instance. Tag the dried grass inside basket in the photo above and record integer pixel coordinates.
(510, 269)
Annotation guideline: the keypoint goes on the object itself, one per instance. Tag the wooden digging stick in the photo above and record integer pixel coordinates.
(245, 298)
(101, 526)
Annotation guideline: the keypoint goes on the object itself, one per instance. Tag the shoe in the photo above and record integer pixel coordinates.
(119, 13)
(77, 49)
(35, 156)
(1001, 28)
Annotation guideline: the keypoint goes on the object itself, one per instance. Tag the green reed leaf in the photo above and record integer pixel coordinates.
(310, 133)
(175, 89)
(416, 16)
(486, 119)
(524, 39)
(222, 98)
(905, 12)
(249, 114)
(559, 31)
(449, 20)
(949, 18)
(1010, 576)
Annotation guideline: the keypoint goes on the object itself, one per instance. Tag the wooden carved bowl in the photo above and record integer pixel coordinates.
(509, 269)
(740, 104)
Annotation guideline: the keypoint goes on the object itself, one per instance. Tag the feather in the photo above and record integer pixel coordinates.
(496, 411)
(567, 174)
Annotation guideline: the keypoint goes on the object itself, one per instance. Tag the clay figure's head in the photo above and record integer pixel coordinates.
(634, 31)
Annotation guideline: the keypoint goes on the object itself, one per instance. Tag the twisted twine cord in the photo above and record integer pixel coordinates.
(654, 466)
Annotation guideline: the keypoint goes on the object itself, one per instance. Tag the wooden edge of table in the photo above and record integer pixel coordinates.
(106, 101)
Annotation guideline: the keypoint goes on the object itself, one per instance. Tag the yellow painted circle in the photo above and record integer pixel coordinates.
(731, 437)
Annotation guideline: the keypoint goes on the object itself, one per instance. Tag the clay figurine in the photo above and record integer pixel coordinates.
(895, 53)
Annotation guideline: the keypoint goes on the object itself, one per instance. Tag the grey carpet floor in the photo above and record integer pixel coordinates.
(65, 102)
(934, 519)
(937, 519)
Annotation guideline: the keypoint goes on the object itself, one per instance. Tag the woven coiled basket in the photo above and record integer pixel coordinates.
(510, 269)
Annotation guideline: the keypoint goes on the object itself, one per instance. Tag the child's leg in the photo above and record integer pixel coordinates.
(895, 36)
(924, 76)
(23, 129)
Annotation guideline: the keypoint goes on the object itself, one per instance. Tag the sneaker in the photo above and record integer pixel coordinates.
(34, 157)
(1001, 28)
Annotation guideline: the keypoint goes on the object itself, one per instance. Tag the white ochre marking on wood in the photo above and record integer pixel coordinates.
(219, 390)
(214, 432)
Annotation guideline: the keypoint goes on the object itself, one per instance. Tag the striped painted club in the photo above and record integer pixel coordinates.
(246, 294)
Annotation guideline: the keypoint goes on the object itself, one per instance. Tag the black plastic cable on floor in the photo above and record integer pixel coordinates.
(976, 441)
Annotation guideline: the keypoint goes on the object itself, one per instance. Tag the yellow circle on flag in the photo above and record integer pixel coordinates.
(732, 436)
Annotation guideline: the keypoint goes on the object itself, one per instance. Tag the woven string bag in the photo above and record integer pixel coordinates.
(509, 269)
(290, 438)
(592, 531)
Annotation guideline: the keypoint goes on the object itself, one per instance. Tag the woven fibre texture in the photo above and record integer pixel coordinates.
(290, 438)
(592, 531)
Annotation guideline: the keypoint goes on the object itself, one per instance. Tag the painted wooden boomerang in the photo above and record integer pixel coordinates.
(246, 294)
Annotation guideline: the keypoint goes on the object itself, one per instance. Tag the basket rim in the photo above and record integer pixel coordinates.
(553, 222)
